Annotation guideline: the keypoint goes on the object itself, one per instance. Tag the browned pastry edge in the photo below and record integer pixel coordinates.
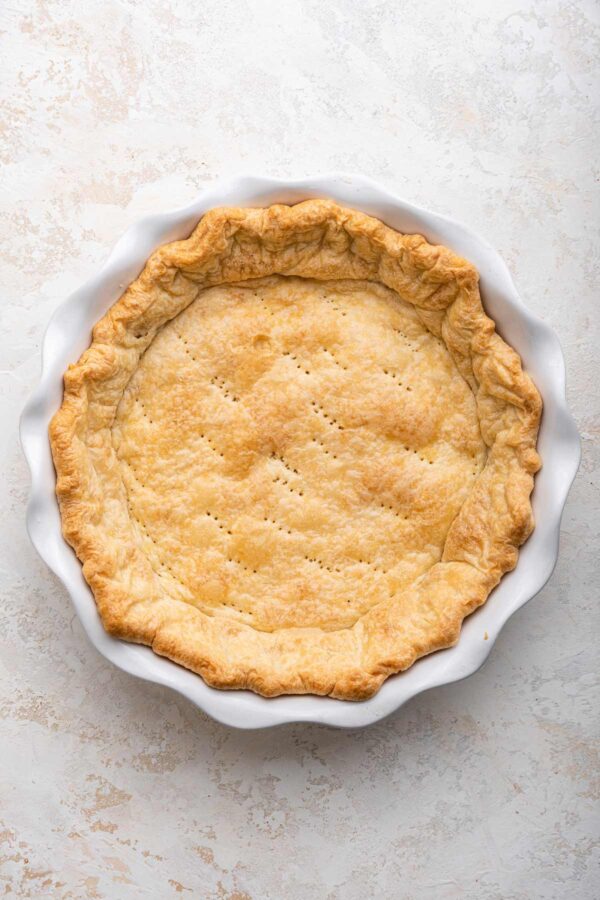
(317, 239)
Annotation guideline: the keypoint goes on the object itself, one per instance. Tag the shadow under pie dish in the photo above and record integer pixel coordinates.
(296, 454)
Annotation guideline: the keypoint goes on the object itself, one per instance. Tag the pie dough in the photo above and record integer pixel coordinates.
(297, 453)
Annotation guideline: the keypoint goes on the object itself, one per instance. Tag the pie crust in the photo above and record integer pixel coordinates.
(297, 453)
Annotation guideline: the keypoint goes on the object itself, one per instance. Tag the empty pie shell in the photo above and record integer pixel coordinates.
(297, 453)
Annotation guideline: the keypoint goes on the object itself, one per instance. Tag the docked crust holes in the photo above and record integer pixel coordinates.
(333, 357)
(317, 408)
(185, 346)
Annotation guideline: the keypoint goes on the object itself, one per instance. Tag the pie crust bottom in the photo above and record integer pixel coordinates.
(296, 454)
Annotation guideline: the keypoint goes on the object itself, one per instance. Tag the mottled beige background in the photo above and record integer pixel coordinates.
(485, 790)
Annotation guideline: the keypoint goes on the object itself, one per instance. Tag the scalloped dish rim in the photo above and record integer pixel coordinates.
(68, 334)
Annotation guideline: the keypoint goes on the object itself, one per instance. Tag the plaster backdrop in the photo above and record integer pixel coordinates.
(112, 788)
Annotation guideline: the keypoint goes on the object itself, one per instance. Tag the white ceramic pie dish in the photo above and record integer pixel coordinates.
(69, 333)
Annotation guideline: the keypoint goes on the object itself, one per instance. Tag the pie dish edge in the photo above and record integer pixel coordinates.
(445, 278)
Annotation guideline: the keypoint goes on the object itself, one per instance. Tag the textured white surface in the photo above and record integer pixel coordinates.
(111, 788)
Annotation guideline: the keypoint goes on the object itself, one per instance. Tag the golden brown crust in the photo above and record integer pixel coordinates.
(97, 437)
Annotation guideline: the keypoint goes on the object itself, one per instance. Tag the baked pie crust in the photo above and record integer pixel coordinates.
(296, 454)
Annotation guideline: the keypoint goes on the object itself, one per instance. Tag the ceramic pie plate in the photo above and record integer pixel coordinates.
(69, 333)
